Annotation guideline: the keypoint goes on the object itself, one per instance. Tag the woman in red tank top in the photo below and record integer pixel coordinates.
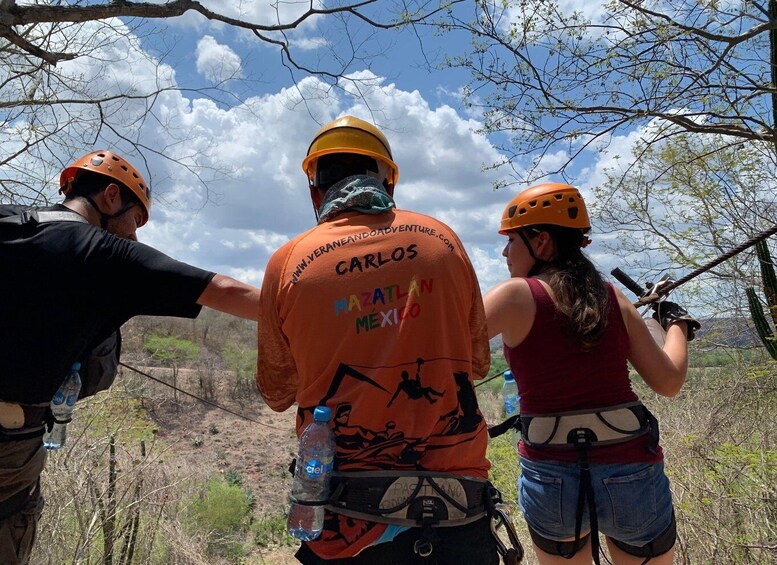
(568, 336)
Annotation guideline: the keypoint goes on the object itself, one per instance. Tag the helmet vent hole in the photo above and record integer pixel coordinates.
(125, 169)
(572, 211)
(522, 211)
(572, 199)
(533, 203)
(546, 203)
(511, 211)
(558, 196)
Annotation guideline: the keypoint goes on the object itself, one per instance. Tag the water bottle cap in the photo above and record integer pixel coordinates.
(76, 366)
(322, 414)
(509, 375)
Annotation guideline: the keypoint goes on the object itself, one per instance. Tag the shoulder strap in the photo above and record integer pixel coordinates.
(43, 217)
(542, 300)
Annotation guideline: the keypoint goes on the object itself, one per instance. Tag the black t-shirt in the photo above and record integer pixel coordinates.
(66, 286)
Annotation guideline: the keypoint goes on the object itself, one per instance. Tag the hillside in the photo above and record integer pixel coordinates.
(190, 483)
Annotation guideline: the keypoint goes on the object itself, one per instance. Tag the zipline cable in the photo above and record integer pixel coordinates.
(637, 289)
(215, 405)
(665, 289)
(211, 403)
(488, 379)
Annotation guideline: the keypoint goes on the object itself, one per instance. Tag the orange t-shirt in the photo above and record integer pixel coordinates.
(380, 318)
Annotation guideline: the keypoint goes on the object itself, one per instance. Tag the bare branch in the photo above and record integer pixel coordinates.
(552, 80)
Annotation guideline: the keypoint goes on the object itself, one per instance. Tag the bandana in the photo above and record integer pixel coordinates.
(360, 192)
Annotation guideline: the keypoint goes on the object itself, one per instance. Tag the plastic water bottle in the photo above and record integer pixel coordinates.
(512, 402)
(510, 395)
(62, 408)
(311, 476)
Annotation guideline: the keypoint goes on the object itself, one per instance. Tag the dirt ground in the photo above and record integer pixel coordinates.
(205, 440)
(260, 451)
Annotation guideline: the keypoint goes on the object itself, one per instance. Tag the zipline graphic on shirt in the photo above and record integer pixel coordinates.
(466, 417)
(413, 389)
(369, 437)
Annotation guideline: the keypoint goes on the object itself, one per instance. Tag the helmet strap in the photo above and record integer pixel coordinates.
(104, 218)
(539, 264)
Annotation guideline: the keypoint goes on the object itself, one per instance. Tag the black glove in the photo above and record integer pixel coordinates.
(669, 312)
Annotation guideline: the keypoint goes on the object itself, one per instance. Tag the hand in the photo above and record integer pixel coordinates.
(653, 292)
(667, 313)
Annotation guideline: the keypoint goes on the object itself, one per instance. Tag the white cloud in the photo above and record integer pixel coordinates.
(264, 200)
(593, 11)
(249, 156)
(489, 265)
(309, 43)
(217, 62)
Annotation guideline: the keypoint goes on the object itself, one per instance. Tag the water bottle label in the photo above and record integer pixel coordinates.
(511, 405)
(59, 397)
(71, 399)
(315, 469)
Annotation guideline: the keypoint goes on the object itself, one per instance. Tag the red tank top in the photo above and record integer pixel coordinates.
(555, 374)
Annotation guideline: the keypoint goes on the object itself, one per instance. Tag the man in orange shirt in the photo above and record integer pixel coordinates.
(376, 313)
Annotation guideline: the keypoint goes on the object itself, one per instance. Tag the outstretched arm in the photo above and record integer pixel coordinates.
(228, 295)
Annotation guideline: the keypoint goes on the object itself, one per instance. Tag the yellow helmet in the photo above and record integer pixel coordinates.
(110, 165)
(350, 135)
(550, 204)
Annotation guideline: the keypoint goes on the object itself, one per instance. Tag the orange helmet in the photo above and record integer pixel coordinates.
(110, 165)
(549, 203)
(350, 135)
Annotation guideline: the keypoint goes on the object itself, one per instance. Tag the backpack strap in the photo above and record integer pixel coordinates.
(42, 217)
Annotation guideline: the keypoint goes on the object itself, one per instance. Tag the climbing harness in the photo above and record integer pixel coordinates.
(663, 543)
(19, 422)
(581, 430)
(418, 499)
(606, 426)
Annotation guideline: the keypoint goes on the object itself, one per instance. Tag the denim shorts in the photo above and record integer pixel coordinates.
(633, 501)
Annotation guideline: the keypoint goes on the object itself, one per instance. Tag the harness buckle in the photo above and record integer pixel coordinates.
(29, 217)
(581, 437)
(409, 498)
(423, 547)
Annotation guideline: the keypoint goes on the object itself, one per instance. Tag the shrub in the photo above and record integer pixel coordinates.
(242, 361)
(222, 512)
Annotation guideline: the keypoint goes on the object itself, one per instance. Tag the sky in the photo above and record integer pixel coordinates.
(246, 131)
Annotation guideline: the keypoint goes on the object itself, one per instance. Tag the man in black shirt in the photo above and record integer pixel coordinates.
(72, 274)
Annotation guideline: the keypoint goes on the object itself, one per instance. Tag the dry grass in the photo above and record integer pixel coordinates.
(718, 436)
